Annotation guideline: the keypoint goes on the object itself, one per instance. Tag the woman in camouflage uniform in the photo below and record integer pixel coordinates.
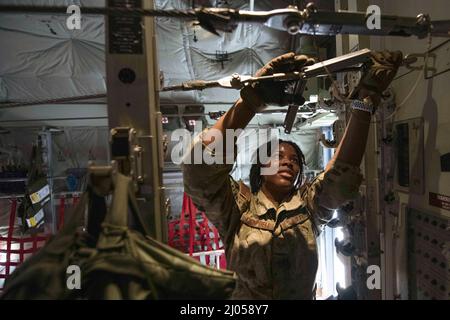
(270, 230)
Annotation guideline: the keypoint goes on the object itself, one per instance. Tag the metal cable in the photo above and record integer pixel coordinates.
(50, 101)
(336, 92)
(187, 14)
(416, 83)
(402, 75)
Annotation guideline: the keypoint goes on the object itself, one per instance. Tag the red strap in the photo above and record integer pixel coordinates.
(62, 206)
(204, 234)
(181, 225)
(12, 219)
(208, 233)
(21, 252)
(34, 240)
(192, 207)
(216, 238)
(191, 226)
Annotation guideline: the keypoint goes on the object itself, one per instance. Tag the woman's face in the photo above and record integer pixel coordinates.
(288, 168)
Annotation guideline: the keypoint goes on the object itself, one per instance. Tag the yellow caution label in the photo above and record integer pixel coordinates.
(36, 219)
(32, 222)
(35, 197)
(40, 195)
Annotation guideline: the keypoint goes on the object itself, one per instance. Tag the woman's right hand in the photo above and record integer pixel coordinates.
(273, 92)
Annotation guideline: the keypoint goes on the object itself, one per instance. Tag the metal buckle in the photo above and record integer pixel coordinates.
(127, 153)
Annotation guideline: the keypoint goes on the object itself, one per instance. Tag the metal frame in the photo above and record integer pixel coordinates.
(292, 20)
(133, 102)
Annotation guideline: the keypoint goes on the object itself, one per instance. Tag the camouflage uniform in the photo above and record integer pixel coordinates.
(272, 250)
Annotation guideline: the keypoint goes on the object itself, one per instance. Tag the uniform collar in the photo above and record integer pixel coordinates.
(263, 204)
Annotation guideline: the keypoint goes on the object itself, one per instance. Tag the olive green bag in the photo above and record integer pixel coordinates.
(115, 261)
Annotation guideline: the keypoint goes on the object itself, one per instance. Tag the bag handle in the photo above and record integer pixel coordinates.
(124, 198)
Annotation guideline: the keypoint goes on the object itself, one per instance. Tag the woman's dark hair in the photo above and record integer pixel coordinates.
(255, 170)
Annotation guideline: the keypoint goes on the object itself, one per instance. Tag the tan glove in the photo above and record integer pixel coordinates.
(381, 73)
(274, 91)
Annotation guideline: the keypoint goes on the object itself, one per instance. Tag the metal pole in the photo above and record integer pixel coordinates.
(133, 102)
(48, 148)
(156, 130)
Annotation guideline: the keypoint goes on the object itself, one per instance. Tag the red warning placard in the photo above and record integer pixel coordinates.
(439, 200)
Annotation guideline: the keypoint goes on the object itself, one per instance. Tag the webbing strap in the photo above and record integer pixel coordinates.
(62, 206)
(191, 212)
(12, 219)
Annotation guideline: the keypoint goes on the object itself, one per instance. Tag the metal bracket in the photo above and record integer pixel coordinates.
(291, 116)
(442, 65)
(434, 66)
(127, 153)
(428, 68)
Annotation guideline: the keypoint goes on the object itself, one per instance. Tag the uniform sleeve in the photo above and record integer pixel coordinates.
(211, 188)
(331, 189)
